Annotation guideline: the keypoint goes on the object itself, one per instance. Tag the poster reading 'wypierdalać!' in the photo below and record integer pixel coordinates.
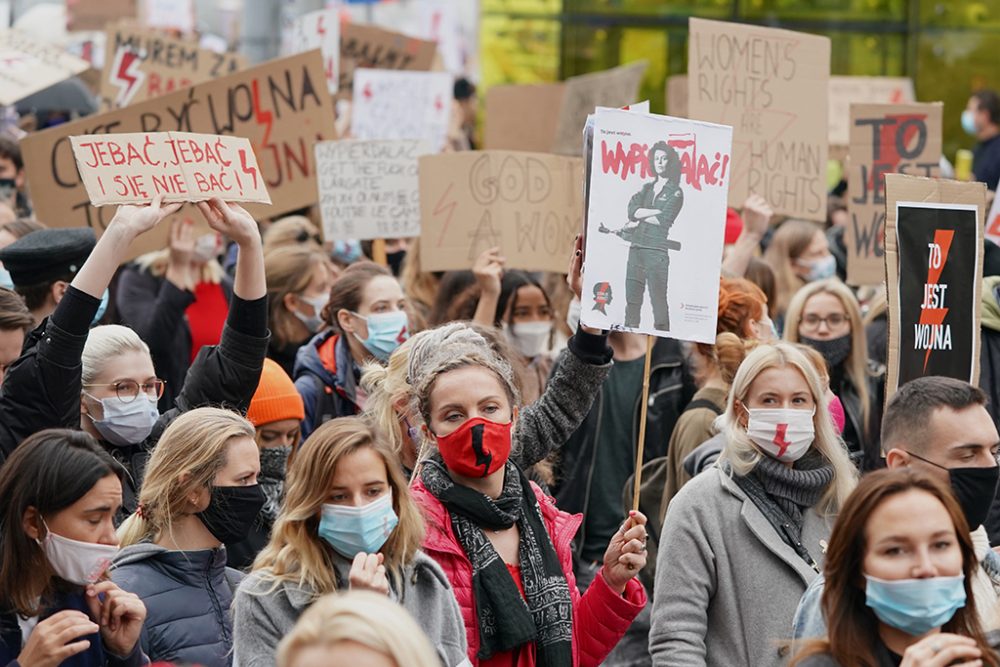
(655, 221)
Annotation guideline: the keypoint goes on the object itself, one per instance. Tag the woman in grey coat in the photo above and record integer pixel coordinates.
(347, 521)
(741, 543)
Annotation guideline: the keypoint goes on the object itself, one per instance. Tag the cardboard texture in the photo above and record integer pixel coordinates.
(993, 222)
(375, 48)
(771, 85)
(613, 88)
(402, 105)
(168, 15)
(282, 107)
(655, 225)
(28, 66)
(141, 64)
(677, 96)
(319, 30)
(523, 117)
(885, 139)
(934, 265)
(848, 90)
(369, 189)
(133, 168)
(528, 204)
(97, 14)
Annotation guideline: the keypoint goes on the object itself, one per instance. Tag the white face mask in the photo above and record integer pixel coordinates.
(313, 322)
(573, 314)
(80, 563)
(529, 338)
(781, 433)
(126, 424)
(206, 247)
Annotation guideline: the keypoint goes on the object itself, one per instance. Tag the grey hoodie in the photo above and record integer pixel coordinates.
(187, 596)
(264, 613)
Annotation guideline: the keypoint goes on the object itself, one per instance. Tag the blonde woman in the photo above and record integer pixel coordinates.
(741, 542)
(176, 299)
(356, 628)
(825, 316)
(200, 491)
(292, 230)
(798, 253)
(299, 278)
(347, 522)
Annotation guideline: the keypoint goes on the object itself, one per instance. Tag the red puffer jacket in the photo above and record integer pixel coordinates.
(600, 616)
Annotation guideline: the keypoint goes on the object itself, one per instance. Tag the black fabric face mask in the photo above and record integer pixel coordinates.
(974, 488)
(231, 512)
(834, 350)
(395, 260)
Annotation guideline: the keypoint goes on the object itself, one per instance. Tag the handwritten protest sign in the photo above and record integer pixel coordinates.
(369, 189)
(282, 107)
(133, 168)
(657, 213)
(142, 64)
(319, 30)
(27, 66)
(402, 105)
(523, 117)
(848, 90)
(529, 204)
(677, 96)
(613, 88)
(885, 139)
(771, 86)
(934, 263)
(168, 14)
(375, 48)
(97, 14)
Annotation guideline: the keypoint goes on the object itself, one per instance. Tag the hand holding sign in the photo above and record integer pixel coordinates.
(230, 219)
(136, 220)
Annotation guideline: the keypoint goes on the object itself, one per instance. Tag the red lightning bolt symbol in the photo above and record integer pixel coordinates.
(942, 238)
(248, 169)
(265, 118)
(367, 92)
(779, 439)
(320, 28)
(128, 73)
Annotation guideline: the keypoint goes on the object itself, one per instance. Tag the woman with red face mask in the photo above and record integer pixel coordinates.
(503, 544)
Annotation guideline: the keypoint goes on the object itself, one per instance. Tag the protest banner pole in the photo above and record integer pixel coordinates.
(650, 340)
(378, 252)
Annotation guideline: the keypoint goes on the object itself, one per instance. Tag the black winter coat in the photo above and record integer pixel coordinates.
(187, 596)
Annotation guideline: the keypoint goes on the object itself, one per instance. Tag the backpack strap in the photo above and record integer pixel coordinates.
(700, 403)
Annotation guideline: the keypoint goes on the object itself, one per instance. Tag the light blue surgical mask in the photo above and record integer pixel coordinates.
(354, 530)
(916, 606)
(386, 332)
(969, 123)
(5, 279)
(101, 309)
(821, 269)
(126, 423)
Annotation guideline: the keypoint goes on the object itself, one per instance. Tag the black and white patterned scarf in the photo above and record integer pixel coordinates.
(506, 620)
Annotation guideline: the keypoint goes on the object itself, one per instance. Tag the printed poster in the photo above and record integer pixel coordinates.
(369, 189)
(771, 85)
(402, 105)
(655, 222)
(934, 263)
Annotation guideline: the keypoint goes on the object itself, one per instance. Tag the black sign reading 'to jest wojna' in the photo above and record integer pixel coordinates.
(938, 248)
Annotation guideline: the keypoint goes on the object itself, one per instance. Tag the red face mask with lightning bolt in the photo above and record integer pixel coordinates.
(781, 433)
(477, 448)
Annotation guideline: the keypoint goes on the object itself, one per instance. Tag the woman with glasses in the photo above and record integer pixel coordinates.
(825, 316)
(120, 389)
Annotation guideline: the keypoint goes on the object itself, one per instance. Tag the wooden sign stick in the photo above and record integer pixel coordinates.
(650, 340)
(378, 252)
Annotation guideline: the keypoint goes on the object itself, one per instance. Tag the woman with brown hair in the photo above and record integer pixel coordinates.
(899, 571)
(798, 254)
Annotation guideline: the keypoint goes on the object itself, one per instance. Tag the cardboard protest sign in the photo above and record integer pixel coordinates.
(282, 107)
(528, 204)
(369, 189)
(849, 90)
(523, 117)
(934, 263)
(677, 96)
(97, 14)
(993, 222)
(142, 64)
(402, 105)
(375, 48)
(319, 30)
(133, 168)
(655, 223)
(771, 86)
(168, 14)
(885, 139)
(27, 66)
(613, 88)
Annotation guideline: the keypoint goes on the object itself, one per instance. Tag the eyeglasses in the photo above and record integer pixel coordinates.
(128, 390)
(833, 321)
